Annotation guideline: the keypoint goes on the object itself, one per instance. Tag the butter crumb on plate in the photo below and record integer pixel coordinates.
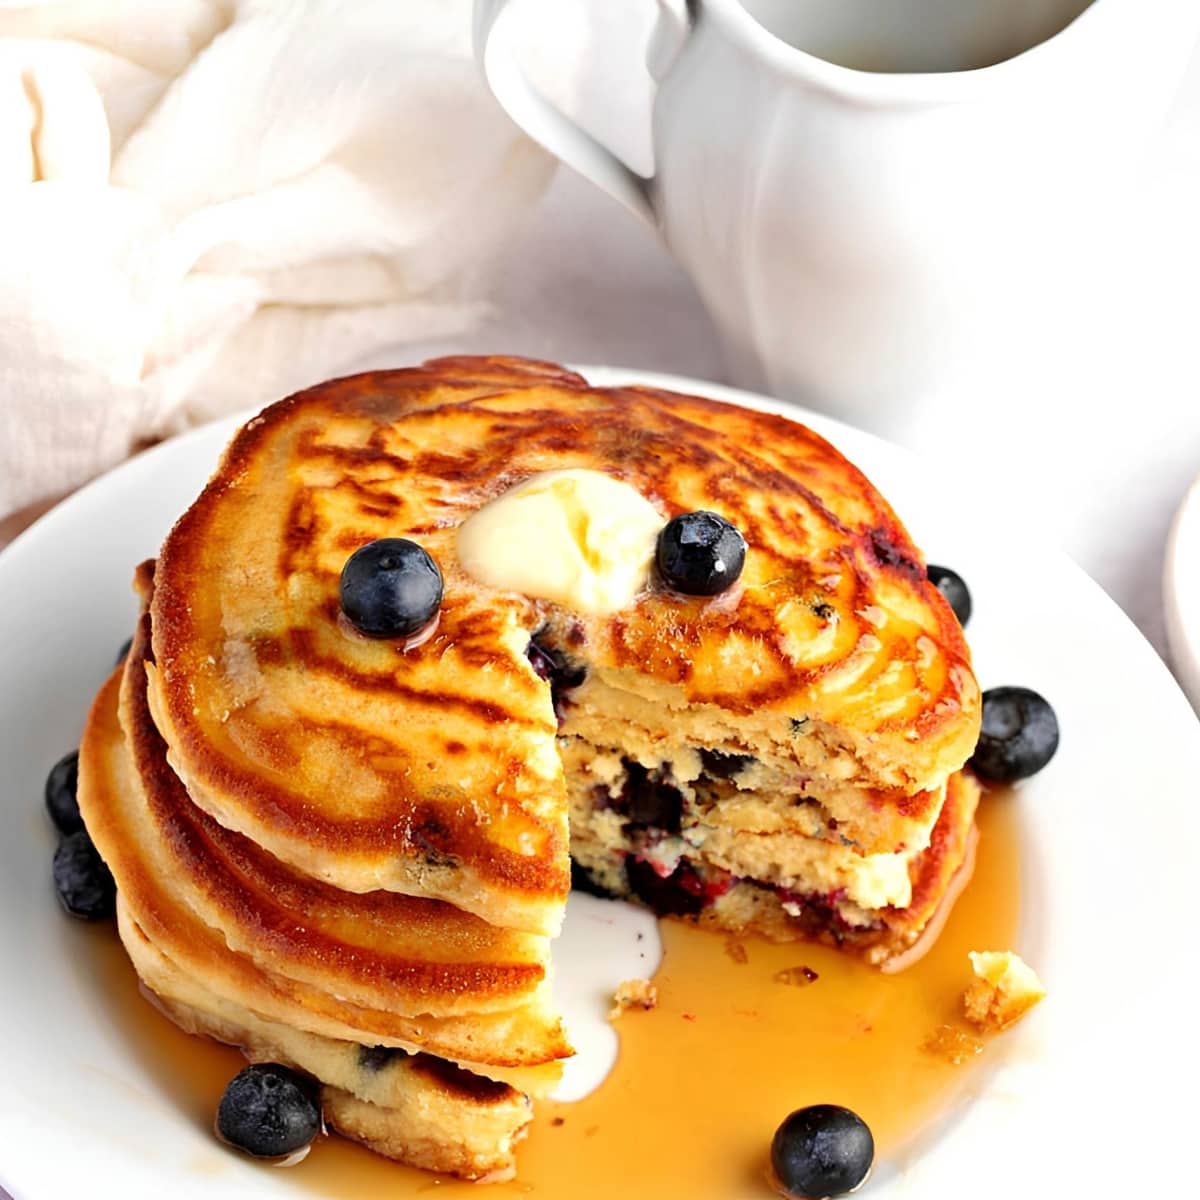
(633, 993)
(1004, 989)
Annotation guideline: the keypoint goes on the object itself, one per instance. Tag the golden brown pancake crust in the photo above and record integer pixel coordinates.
(412, 954)
(499, 1042)
(933, 870)
(418, 1109)
(270, 701)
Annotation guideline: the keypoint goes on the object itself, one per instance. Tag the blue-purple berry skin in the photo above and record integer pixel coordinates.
(83, 882)
(1018, 735)
(61, 786)
(390, 588)
(269, 1111)
(700, 554)
(820, 1151)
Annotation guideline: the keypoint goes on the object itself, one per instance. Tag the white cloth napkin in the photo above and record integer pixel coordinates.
(205, 204)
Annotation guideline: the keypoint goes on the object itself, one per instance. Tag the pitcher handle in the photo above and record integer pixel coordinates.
(553, 129)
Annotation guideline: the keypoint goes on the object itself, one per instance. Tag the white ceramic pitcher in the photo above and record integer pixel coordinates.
(870, 194)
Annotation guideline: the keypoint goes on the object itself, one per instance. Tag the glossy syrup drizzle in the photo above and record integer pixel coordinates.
(704, 1079)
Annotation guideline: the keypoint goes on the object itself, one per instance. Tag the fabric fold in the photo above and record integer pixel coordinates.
(209, 204)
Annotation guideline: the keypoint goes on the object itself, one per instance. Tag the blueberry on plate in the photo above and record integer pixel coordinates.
(269, 1111)
(700, 554)
(952, 585)
(390, 588)
(1019, 735)
(61, 786)
(83, 881)
(823, 1150)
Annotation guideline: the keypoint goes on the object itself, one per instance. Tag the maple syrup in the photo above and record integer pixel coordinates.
(704, 1079)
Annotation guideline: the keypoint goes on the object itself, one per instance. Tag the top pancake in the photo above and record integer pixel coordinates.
(432, 770)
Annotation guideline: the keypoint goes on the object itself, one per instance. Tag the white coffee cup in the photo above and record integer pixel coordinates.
(872, 196)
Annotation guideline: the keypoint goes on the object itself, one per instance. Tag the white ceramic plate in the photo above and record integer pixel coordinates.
(1181, 593)
(1084, 1102)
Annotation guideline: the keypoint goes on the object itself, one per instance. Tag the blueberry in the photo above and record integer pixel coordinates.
(722, 764)
(123, 653)
(83, 882)
(391, 588)
(1019, 735)
(648, 799)
(61, 786)
(552, 664)
(700, 554)
(823, 1150)
(680, 894)
(269, 1111)
(953, 587)
(375, 1058)
(544, 661)
(561, 673)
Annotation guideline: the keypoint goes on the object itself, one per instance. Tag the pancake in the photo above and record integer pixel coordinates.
(412, 1107)
(349, 853)
(411, 955)
(521, 1045)
(433, 770)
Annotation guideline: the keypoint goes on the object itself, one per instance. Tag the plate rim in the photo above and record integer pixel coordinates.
(1181, 592)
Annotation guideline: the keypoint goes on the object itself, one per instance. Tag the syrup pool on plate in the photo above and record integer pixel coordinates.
(703, 1080)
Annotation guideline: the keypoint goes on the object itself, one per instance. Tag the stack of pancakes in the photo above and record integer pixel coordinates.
(350, 855)
(428, 1026)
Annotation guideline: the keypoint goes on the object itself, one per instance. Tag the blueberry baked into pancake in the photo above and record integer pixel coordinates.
(432, 638)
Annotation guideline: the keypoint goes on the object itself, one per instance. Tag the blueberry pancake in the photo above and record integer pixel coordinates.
(408, 1086)
(413, 1107)
(833, 668)
(427, 636)
(375, 966)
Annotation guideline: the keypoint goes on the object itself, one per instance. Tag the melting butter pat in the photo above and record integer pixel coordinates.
(577, 537)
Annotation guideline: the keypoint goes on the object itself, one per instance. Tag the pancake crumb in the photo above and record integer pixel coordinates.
(800, 976)
(736, 950)
(1004, 989)
(633, 993)
(952, 1044)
